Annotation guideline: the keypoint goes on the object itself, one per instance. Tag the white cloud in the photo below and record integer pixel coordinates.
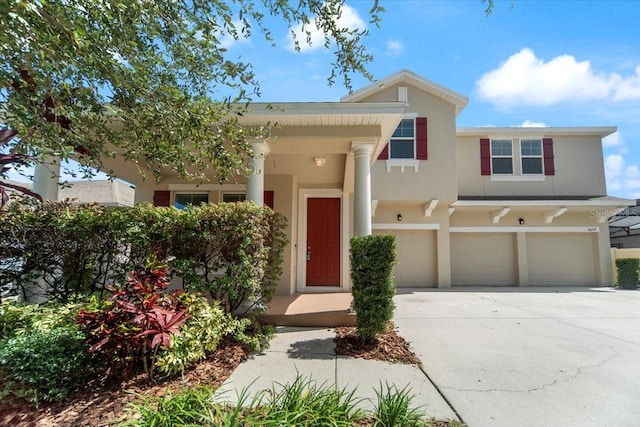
(532, 124)
(621, 178)
(613, 165)
(395, 48)
(348, 19)
(524, 79)
(613, 140)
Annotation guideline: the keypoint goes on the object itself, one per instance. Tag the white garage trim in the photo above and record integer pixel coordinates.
(524, 229)
(394, 226)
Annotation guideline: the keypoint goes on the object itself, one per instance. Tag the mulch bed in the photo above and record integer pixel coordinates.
(388, 347)
(104, 405)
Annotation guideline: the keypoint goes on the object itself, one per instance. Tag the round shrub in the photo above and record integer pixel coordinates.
(44, 365)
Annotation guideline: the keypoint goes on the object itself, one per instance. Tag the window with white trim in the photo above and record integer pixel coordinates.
(182, 200)
(531, 156)
(402, 144)
(233, 197)
(502, 157)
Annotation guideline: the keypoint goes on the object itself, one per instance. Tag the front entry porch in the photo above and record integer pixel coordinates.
(311, 310)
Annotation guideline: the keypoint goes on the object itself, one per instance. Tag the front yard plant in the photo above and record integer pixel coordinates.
(628, 272)
(372, 260)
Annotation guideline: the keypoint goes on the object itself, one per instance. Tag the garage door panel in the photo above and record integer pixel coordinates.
(565, 259)
(483, 259)
(417, 265)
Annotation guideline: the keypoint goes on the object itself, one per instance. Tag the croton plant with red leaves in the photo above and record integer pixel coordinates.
(129, 327)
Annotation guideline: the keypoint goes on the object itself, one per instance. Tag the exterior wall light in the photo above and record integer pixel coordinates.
(399, 217)
(320, 161)
(521, 221)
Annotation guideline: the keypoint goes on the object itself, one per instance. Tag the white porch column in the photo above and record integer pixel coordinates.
(255, 181)
(45, 179)
(362, 188)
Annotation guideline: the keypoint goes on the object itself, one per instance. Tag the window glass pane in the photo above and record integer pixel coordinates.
(532, 165)
(182, 200)
(404, 129)
(234, 197)
(502, 165)
(399, 149)
(501, 147)
(531, 147)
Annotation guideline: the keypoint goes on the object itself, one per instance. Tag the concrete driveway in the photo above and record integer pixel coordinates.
(529, 357)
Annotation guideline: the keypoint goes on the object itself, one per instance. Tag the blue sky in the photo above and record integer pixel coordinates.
(551, 63)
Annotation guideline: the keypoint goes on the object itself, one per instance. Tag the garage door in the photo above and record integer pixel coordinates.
(417, 252)
(560, 259)
(486, 259)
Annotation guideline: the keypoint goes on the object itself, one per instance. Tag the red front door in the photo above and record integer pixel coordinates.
(323, 242)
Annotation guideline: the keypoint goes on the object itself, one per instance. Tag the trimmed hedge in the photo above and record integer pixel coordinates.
(61, 251)
(372, 260)
(628, 272)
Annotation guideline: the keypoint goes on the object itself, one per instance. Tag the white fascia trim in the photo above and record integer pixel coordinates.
(331, 108)
(530, 203)
(524, 229)
(519, 178)
(207, 187)
(394, 226)
(601, 131)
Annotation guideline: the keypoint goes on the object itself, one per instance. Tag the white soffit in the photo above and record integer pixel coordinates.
(598, 201)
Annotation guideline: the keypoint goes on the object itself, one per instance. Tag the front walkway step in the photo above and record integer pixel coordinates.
(311, 310)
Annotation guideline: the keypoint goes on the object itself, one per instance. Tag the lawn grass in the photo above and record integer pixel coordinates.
(301, 403)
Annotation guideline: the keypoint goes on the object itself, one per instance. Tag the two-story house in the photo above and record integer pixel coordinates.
(469, 206)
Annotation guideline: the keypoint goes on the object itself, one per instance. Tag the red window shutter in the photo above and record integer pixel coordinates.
(384, 154)
(421, 138)
(485, 157)
(162, 198)
(268, 199)
(547, 150)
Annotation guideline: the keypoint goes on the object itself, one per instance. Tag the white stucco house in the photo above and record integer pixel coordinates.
(469, 206)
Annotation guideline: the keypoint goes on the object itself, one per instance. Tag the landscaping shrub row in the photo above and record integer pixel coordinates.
(48, 351)
(61, 251)
(628, 274)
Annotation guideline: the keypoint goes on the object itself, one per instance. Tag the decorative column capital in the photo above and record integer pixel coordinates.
(260, 148)
(362, 147)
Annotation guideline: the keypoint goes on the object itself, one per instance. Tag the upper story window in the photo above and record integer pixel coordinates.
(502, 157)
(181, 200)
(531, 156)
(533, 159)
(402, 144)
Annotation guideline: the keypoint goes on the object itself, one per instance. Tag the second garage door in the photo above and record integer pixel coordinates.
(417, 265)
(483, 259)
(564, 259)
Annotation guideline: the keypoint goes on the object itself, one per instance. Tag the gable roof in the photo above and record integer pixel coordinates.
(409, 77)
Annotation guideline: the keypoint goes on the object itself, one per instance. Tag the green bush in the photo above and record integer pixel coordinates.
(628, 272)
(372, 260)
(18, 319)
(43, 365)
(199, 336)
(61, 251)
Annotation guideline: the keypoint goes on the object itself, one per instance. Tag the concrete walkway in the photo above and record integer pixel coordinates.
(529, 357)
(310, 352)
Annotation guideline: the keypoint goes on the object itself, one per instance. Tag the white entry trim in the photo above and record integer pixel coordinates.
(301, 270)
(395, 226)
(524, 229)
